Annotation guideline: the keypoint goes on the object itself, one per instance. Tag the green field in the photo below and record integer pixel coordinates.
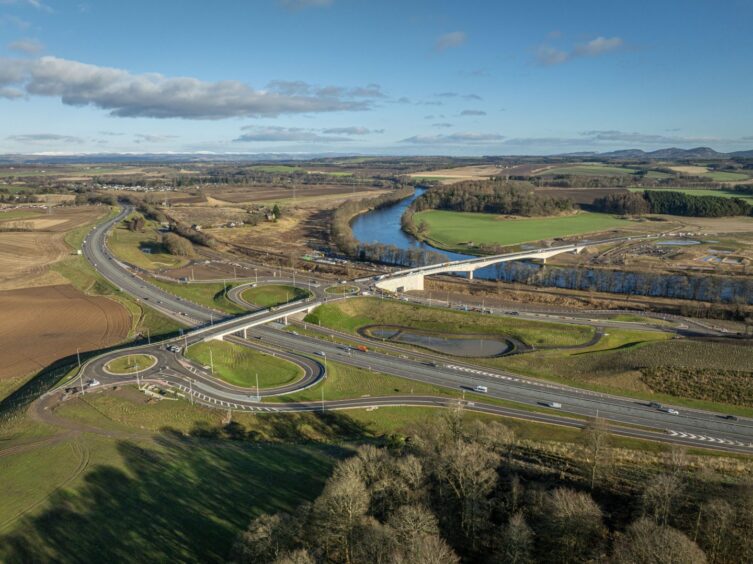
(276, 168)
(455, 230)
(131, 363)
(210, 294)
(130, 245)
(701, 192)
(350, 315)
(142, 499)
(341, 289)
(240, 365)
(271, 295)
(587, 170)
(724, 176)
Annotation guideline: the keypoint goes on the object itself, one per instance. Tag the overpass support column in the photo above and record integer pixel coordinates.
(245, 333)
(285, 320)
(470, 275)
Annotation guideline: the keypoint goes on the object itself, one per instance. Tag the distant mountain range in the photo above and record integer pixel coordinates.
(670, 154)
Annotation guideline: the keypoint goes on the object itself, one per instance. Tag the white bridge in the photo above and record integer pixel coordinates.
(241, 324)
(413, 278)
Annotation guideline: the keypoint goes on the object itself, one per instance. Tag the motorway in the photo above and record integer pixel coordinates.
(689, 427)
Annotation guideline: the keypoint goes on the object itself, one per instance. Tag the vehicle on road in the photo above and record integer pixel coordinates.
(481, 389)
(669, 410)
(322, 353)
(362, 348)
(730, 417)
(655, 405)
(553, 404)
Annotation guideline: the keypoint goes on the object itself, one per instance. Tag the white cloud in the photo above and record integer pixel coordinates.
(39, 138)
(354, 130)
(276, 134)
(450, 40)
(460, 138)
(548, 56)
(153, 95)
(473, 113)
(28, 46)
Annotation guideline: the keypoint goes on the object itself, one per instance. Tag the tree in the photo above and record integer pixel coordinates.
(263, 541)
(573, 526)
(177, 245)
(299, 556)
(717, 521)
(596, 439)
(276, 211)
(515, 545)
(411, 521)
(660, 496)
(645, 542)
(338, 510)
(427, 549)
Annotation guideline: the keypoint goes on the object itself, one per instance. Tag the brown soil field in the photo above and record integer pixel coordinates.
(41, 325)
(26, 255)
(452, 175)
(254, 194)
(690, 169)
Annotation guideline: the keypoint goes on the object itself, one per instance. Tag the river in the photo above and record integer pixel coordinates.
(383, 226)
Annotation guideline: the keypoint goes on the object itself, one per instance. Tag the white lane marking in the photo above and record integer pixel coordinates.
(705, 438)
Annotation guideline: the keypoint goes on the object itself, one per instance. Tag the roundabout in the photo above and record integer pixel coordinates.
(130, 364)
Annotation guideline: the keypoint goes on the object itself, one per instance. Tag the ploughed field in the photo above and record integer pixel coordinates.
(41, 325)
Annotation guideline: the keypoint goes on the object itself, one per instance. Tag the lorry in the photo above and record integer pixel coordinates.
(362, 348)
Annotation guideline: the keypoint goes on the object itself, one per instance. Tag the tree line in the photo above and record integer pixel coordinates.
(474, 492)
(671, 203)
(492, 196)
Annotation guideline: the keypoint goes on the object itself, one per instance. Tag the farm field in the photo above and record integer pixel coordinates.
(586, 170)
(701, 192)
(715, 175)
(40, 240)
(270, 295)
(456, 230)
(459, 174)
(239, 365)
(350, 315)
(71, 320)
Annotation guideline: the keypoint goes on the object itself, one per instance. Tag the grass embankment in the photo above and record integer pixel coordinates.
(701, 192)
(99, 491)
(239, 365)
(210, 294)
(341, 289)
(131, 363)
(271, 295)
(350, 315)
(462, 231)
(142, 248)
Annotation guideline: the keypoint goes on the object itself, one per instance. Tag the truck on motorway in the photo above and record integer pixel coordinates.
(362, 348)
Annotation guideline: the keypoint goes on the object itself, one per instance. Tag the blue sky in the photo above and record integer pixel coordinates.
(374, 76)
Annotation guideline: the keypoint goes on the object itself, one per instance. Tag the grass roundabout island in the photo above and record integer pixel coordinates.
(239, 366)
(271, 295)
(130, 364)
(341, 290)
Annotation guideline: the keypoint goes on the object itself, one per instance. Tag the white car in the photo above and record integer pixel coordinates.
(669, 410)
(481, 389)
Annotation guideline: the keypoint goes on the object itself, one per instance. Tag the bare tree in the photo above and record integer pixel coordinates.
(515, 545)
(660, 496)
(645, 542)
(596, 439)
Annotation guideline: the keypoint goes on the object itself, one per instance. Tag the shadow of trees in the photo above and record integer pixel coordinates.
(173, 498)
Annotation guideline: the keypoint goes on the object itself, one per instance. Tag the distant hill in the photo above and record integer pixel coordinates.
(673, 154)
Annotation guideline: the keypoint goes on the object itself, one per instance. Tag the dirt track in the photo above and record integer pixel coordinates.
(41, 325)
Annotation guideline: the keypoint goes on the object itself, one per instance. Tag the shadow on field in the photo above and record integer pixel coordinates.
(175, 498)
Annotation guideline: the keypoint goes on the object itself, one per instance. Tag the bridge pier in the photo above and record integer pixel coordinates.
(470, 275)
(245, 333)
